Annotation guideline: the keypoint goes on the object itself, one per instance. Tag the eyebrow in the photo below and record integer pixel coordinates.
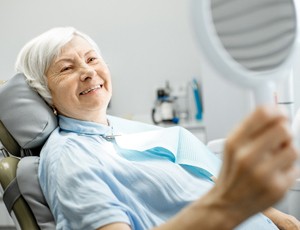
(63, 60)
(71, 59)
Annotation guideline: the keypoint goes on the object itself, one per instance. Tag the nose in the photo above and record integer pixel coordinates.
(87, 72)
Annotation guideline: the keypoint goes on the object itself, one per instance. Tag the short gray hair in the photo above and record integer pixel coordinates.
(36, 56)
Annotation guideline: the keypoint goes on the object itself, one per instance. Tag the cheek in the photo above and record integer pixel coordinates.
(53, 85)
(107, 78)
(54, 90)
(63, 101)
(61, 93)
(57, 98)
(104, 72)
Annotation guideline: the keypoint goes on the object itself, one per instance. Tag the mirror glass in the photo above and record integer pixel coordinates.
(257, 34)
(249, 42)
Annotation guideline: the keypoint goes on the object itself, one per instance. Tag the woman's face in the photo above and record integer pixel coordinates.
(80, 82)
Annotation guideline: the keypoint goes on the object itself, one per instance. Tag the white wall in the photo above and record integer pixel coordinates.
(144, 42)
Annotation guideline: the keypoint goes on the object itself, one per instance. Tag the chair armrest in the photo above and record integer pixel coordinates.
(217, 146)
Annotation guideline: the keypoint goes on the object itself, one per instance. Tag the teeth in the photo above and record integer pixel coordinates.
(89, 90)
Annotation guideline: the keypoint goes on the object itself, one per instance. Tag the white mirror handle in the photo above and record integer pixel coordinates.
(264, 93)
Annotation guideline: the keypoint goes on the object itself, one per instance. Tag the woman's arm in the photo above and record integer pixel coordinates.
(282, 220)
(115, 226)
(257, 170)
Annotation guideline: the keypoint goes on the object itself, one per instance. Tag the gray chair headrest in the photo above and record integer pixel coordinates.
(25, 114)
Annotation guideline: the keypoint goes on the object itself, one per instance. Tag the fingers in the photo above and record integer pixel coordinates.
(272, 141)
(274, 137)
(285, 158)
(255, 124)
(278, 183)
(263, 132)
(259, 160)
(276, 172)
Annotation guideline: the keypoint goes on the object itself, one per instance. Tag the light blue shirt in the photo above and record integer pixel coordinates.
(89, 183)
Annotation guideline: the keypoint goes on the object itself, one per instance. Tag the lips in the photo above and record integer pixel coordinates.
(91, 89)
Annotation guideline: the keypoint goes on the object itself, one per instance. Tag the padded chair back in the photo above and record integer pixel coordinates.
(20, 211)
(8, 168)
(17, 207)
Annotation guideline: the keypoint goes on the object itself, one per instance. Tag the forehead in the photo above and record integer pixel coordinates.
(77, 44)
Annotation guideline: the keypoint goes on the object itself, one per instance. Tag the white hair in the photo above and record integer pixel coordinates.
(36, 56)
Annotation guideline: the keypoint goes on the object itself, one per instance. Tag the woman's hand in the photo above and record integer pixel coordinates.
(258, 166)
(282, 220)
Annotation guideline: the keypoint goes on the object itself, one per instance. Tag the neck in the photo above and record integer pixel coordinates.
(100, 118)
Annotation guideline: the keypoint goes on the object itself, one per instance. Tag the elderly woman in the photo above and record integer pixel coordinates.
(89, 184)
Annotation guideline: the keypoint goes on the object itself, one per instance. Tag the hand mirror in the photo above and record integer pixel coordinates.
(251, 42)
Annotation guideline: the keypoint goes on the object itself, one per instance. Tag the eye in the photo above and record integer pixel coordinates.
(65, 68)
(91, 59)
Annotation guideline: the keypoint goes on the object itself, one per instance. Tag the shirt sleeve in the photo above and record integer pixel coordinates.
(83, 191)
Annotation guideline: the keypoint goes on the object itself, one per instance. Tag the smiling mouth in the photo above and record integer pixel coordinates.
(91, 89)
